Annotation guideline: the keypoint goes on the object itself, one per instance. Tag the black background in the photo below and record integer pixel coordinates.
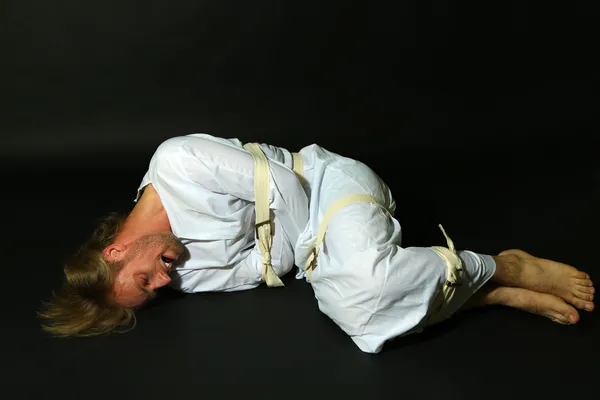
(480, 116)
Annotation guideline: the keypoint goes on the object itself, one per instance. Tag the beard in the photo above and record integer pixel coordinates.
(164, 240)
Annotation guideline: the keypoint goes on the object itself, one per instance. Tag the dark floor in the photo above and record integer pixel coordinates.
(222, 343)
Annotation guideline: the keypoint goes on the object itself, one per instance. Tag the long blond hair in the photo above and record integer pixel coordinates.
(83, 306)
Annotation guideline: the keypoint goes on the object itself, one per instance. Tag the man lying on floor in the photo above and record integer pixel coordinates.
(214, 215)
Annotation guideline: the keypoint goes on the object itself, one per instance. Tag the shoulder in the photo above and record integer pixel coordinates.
(167, 158)
(170, 148)
(192, 144)
(178, 154)
(175, 149)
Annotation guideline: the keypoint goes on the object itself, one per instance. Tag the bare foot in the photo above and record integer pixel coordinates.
(546, 305)
(553, 278)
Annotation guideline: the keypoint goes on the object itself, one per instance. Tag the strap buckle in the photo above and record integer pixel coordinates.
(267, 222)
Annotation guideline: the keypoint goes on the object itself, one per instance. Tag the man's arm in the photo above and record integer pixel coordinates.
(220, 165)
(214, 177)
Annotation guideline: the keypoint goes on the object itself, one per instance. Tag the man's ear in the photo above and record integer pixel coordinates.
(114, 252)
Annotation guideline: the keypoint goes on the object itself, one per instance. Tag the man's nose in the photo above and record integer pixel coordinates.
(161, 280)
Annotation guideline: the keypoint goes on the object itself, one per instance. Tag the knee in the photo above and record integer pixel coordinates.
(348, 297)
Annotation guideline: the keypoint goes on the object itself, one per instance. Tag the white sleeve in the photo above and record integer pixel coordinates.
(224, 166)
(220, 173)
(243, 274)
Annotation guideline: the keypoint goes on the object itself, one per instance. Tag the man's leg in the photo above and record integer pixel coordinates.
(546, 305)
(518, 269)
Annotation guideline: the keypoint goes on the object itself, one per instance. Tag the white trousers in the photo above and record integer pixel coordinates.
(365, 281)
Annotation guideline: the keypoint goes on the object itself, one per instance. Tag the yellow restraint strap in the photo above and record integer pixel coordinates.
(263, 213)
(335, 207)
(454, 266)
(298, 167)
(265, 237)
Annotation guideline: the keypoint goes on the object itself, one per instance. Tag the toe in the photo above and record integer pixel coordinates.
(573, 317)
(565, 314)
(583, 282)
(581, 275)
(584, 295)
(580, 303)
(562, 318)
(585, 289)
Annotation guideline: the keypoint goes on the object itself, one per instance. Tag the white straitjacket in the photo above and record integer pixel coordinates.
(365, 281)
